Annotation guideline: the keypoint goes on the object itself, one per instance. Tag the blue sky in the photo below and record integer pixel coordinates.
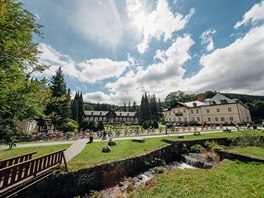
(113, 51)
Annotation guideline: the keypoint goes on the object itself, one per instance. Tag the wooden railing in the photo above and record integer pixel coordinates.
(17, 174)
(15, 160)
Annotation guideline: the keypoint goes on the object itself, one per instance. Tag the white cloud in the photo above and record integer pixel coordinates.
(162, 23)
(96, 21)
(238, 67)
(98, 69)
(255, 14)
(90, 71)
(207, 39)
(159, 78)
(96, 97)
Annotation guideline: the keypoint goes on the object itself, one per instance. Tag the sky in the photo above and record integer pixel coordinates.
(113, 51)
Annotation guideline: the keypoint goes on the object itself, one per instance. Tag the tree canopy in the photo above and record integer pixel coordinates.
(20, 98)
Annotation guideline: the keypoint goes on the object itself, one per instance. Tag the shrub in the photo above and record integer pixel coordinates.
(185, 149)
(196, 148)
(10, 141)
(100, 126)
(145, 125)
(217, 149)
(248, 138)
(154, 162)
(69, 126)
(159, 170)
(155, 124)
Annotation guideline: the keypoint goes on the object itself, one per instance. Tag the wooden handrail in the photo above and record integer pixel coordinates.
(18, 173)
(15, 160)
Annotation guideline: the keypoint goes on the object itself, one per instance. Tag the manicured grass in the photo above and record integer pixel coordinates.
(229, 179)
(92, 155)
(251, 151)
(41, 150)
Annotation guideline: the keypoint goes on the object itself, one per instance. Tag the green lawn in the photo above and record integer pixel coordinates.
(232, 179)
(92, 154)
(250, 150)
(41, 150)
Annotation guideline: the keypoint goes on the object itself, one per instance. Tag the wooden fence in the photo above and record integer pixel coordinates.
(16, 160)
(17, 174)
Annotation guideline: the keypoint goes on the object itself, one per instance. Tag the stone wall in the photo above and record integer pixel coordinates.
(108, 174)
(234, 156)
(97, 177)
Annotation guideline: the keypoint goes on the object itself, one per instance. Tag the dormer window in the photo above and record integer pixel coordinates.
(127, 114)
(100, 113)
(194, 104)
(91, 113)
(120, 114)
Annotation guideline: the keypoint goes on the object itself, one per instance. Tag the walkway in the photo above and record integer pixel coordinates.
(75, 149)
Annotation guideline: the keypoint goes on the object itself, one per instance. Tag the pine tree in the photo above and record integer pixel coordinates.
(129, 106)
(159, 109)
(80, 110)
(59, 107)
(134, 107)
(142, 115)
(147, 112)
(153, 107)
(58, 86)
(125, 109)
(75, 107)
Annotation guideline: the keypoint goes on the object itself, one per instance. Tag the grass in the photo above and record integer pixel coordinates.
(233, 179)
(41, 150)
(92, 155)
(250, 150)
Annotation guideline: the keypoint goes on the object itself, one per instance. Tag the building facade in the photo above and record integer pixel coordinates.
(111, 116)
(217, 110)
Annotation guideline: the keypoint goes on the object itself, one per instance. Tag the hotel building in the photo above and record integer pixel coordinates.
(216, 110)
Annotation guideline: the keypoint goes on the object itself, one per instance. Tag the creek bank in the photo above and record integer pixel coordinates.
(103, 176)
(130, 184)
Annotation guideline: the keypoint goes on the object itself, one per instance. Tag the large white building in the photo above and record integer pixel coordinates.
(216, 110)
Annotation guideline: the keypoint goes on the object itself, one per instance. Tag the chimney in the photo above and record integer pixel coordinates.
(200, 97)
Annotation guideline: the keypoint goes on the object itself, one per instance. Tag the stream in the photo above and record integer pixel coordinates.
(129, 184)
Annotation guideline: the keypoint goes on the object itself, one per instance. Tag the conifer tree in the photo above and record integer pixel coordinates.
(134, 107)
(59, 107)
(129, 106)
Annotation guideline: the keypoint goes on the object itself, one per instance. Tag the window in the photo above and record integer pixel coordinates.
(179, 119)
(197, 110)
(192, 118)
(184, 110)
(216, 119)
(207, 110)
(229, 109)
(218, 110)
(198, 119)
(222, 119)
(231, 119)
(191, 111)
(209, 119)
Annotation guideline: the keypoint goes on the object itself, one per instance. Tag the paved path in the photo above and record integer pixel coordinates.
(75, 149)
